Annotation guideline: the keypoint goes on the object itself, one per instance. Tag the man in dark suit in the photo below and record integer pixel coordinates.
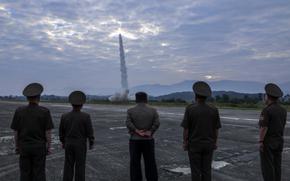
(142, 122)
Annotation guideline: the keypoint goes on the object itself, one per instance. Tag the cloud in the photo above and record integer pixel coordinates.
(76, 42)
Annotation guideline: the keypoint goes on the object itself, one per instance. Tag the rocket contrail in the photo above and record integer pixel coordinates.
(124, 76)
(123, 95)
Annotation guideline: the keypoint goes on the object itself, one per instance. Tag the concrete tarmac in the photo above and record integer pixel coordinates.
(237, 157)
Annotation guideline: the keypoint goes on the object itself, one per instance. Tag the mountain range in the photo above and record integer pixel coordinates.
(188, 96)
(250, 87)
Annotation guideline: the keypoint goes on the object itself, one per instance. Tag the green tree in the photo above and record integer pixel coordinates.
(225, 98)
(218, 98)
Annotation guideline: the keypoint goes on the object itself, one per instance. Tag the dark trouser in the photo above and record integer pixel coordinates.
(271, 163)
(75, 161)
(200, 158)
(32, 163)
(145, 148)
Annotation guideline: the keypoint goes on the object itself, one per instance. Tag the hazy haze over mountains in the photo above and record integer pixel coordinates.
(250, 87)
(222, 85)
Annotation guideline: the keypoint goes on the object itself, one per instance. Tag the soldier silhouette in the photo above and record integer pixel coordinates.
(32, 126)
(201, 123)
(142, 122)
(74, 131)
(272, 123)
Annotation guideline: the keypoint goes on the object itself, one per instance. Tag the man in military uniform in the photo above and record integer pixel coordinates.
(142, 122)
(32, 126)
(201, 124)
(74, 131)
(272, 123)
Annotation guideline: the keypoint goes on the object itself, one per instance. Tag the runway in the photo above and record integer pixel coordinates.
(237, 157)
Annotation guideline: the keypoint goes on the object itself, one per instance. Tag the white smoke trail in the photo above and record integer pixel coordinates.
(124, 76)
(123, 96)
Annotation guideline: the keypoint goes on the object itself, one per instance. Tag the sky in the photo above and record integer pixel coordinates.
(73, 44)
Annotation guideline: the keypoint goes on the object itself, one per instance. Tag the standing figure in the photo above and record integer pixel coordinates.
(32, 126)
(142, 122)
(74, 131)
(272, 123)
(201, 124)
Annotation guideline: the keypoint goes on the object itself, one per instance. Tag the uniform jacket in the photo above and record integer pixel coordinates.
(76, 125)
(274, 117)
(31, 123)
(202, 121)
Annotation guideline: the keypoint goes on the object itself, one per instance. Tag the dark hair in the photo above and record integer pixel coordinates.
(32, 98)
(202, 98)
(141, 97)
(272, 97)
(77, 106)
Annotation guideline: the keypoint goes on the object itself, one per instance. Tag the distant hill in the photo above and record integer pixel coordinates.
(188, 96)
(223, 85)
(159, 92)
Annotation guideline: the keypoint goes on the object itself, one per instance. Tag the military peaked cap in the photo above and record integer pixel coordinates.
(201, 88)
(33, 89)
(77, 98)
(273, 90)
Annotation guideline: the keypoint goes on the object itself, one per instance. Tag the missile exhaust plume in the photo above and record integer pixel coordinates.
(123, 95)
(124, 76)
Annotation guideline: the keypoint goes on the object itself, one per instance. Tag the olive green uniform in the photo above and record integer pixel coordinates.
(31, 123)
(274, 118)
(202, 121)
(74, 131)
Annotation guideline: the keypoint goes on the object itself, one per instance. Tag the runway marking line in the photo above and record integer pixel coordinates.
(117, 128)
